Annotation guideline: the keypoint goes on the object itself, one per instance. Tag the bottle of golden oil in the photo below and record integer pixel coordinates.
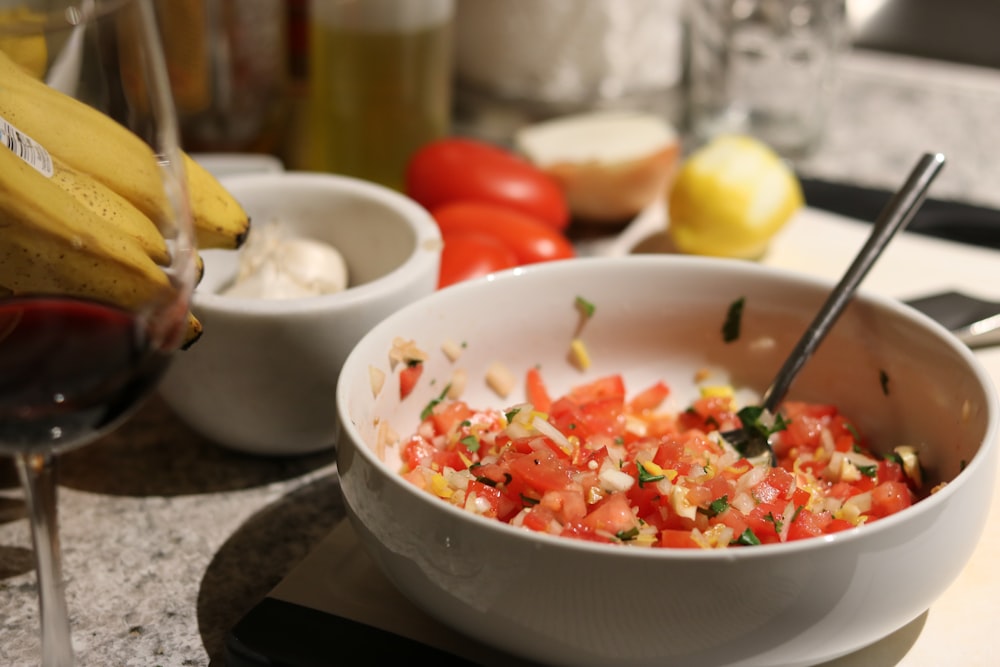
(379, 86)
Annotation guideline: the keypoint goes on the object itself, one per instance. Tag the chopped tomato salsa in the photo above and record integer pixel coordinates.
(599, 465)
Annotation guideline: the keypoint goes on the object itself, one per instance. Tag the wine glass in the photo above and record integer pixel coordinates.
(97, 252)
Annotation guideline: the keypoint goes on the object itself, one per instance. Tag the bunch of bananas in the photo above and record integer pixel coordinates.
(90, 228)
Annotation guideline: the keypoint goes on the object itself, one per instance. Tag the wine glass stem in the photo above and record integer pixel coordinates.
(37, 472)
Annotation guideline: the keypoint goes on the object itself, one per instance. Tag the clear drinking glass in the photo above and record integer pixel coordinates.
(767, 68)
(97, 258)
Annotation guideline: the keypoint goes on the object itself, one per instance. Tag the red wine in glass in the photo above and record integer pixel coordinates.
(70, 369)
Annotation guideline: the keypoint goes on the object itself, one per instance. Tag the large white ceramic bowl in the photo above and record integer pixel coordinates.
(261, 379)
(566, 602)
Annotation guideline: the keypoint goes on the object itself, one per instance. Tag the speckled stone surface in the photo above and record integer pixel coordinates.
(169, 539)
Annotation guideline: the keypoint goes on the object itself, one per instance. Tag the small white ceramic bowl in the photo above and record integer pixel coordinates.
(561, 601)
(261, 379)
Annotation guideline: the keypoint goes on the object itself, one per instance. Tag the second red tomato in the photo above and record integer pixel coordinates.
(530, 239)
(470, 254)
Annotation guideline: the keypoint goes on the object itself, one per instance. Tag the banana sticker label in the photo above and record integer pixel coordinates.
(25, 148)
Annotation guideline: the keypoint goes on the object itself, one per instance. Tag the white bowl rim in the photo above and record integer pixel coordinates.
(928, 504)
(424, 257)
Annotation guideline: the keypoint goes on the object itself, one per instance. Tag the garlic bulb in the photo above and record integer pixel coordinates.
(276, 265)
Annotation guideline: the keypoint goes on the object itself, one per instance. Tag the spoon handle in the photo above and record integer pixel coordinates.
(896, 215)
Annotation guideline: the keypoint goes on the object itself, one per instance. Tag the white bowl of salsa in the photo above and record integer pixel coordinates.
(575, 590)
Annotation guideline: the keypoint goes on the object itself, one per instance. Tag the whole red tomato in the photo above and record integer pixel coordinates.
(530, 239)
(454, 169)
(470, 254)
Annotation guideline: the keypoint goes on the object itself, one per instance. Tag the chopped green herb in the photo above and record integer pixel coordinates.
(747, 538)
(716, 507)
(426, 412)
(869, 471)
(734, 319)
(645, 477)
(853, 431)
(883, 379)
(628, 535)
(585, 307)
(795, 516)
(471, 443)
(750, 416)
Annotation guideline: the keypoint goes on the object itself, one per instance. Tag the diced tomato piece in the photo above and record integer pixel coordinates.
(542, 471)
(539, 519)
(732, 518)
(764, 520)
(889, 498)
(608, 387)
(448, 458)
(808, 524)
(408, 378)
(650, 398)
(709, 413)
(417, 451)
(776, 486)
(597, 417)
(890, 471)
(448, 416)
(613, 515)
(536, 391)
(566, 505)
(678, 539)
(644, 497)
(837, 525)
(487, 498)
(842, 491)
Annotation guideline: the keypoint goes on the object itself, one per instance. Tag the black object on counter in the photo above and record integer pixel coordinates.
(943, 219)
(276, 633)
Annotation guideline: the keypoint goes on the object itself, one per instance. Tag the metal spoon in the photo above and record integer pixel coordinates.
(753, 439)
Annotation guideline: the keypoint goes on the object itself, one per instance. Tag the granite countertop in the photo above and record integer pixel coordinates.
(169, 539)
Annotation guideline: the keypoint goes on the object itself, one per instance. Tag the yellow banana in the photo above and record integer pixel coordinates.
(52, 242)
(117, 211)
(113, 209)
(220, 221)
(92, 142)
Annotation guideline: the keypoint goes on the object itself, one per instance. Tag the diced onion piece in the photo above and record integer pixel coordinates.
(911, 464)
(679, 501)
(615, 480)
(457, 385)
(385, 436)
(376, 378)
(452, 350)
(500, 379)
(543, 426)
(405, 351)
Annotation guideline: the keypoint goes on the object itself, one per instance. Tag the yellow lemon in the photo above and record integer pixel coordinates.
(730, 198)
